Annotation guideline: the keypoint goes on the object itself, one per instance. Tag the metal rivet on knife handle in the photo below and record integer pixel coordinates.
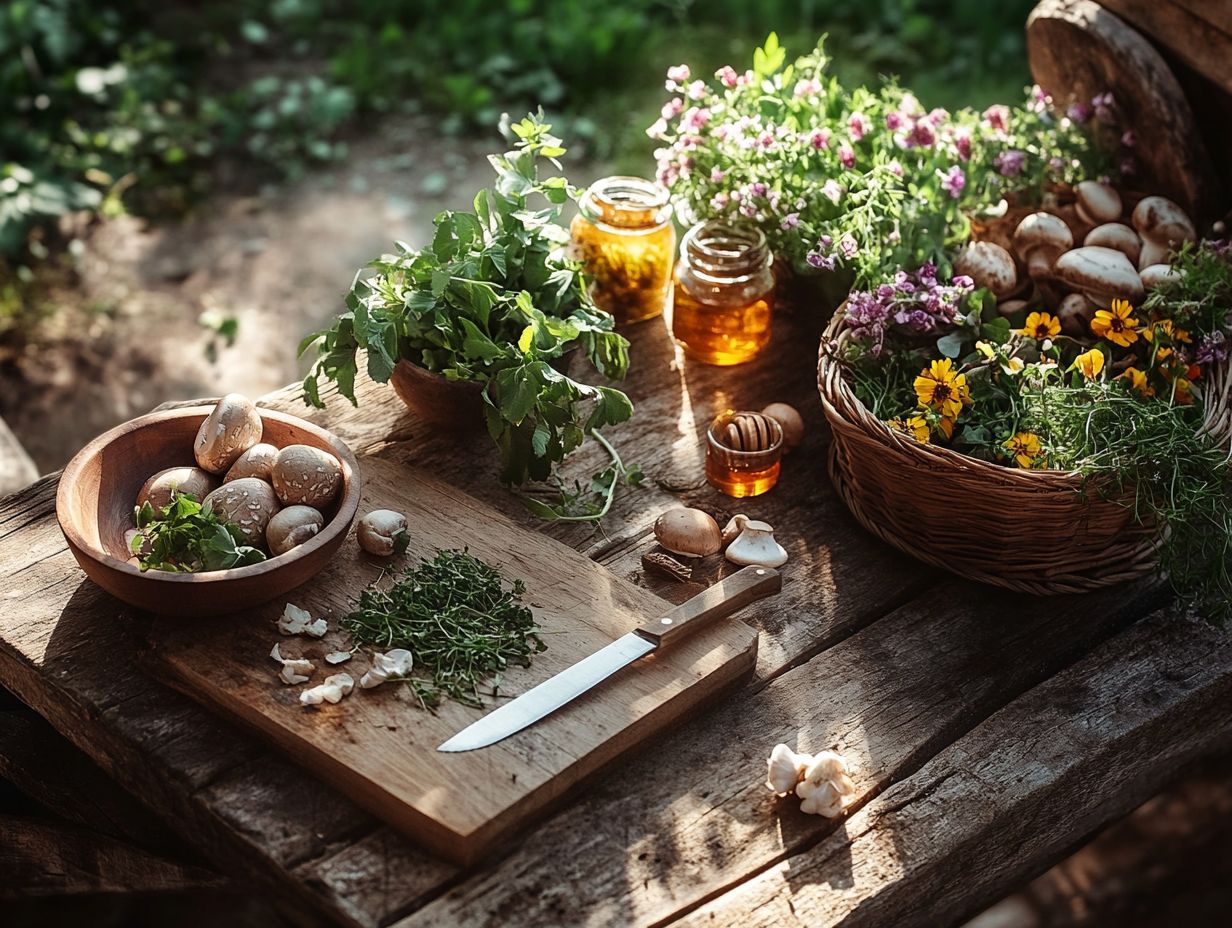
(722, 599)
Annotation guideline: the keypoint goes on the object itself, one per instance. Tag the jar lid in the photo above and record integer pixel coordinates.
(627, 202)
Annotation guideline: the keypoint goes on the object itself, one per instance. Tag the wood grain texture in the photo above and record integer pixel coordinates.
(379, 746)
(1013, 795)
(1185, 33)
(1077, 49)
(694, 816)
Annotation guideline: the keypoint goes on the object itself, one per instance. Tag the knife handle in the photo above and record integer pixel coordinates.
(716, 602)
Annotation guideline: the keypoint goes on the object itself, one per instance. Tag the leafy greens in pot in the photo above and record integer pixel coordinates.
(492, 299)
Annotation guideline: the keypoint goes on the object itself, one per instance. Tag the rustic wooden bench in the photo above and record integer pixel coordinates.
(988, 732)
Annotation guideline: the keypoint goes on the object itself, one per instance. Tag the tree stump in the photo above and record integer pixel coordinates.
(1078, 49)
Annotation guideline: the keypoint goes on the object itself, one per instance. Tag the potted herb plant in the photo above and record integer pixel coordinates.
(475, 326)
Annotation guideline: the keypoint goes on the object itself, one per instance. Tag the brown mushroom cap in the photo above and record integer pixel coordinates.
(308, 476)
(291, 527)
(1075, 313)
(1116, 235)
(1008, 308)
(1039, 240)
(1162, 222)
(1097, 203)
(1101, 274)
(248, 503)
(231, 428)
(790, 421)
(257, 461)
(989, 266)
(690, 532)
(193, 481)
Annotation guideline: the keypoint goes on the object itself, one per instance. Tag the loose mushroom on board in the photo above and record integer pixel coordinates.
(382, 532)
(690, 532)
(231, 428)
(307, 476)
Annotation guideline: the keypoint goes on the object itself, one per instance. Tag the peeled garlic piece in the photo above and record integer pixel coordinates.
(392, 665)
(756, 545)
(331, 691)
(825, 785)
(785, 769)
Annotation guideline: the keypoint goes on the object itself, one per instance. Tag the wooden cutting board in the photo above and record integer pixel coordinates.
(379, 747)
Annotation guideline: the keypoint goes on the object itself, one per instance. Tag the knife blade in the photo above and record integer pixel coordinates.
(716, 602)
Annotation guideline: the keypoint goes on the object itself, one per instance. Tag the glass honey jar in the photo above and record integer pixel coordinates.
(623, 235)
(723, 294)
(744, 451)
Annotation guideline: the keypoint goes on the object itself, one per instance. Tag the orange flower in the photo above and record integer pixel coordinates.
(1090, 363)
(1137, 382)
(1116, 324)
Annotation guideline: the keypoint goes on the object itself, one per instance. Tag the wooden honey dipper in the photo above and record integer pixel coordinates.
(750, 432)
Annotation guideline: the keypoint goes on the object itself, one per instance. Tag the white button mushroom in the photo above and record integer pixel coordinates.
(785, 769)
(790, 421)
(756, 545)
(192, 481)
(257, 461)
(825, 786)
(248, 504)
(1075, 313)
(1039, 240)
(308, 476)
(1154, 276)
(383, 532)
(1097, 203)
(1101, 274)
(291, 527)
(231, 428)
(1119, 236)
(989, 266)
(690, 532)
(1163, 226)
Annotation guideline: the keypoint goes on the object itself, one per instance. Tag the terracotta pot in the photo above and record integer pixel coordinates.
(452, 405)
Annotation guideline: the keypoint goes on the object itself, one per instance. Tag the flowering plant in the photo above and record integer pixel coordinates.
(863, 179)
(1122, 402)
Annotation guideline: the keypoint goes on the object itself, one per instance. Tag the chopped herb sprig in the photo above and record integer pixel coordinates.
(458, 618)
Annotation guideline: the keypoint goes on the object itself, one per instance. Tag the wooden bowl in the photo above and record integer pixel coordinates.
(98, 489)
(449, 405)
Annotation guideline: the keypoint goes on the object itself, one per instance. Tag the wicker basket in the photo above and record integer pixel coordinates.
(1034, 531)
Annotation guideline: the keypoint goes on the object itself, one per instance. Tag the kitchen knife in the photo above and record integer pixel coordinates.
(716, 602)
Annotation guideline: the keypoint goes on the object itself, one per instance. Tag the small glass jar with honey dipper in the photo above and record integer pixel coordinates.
(624, 237)
(723, 294)
(743, 453)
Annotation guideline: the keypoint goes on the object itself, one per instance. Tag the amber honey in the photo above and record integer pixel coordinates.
(624, 237)
(740, 473)
(723, 294)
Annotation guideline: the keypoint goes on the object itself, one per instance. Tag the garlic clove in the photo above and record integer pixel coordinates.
(337, 657)
(331, 691)
(825, 785)
(392, 665)
(785, 769)
(756, 545)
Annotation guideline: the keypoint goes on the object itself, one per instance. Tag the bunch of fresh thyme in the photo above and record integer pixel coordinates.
(454, 614)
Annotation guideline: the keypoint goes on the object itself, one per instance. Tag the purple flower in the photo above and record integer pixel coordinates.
(962, 281)
(953, 181)
(717, 174)
(848, 246)
(790, 221)
(758, 189)
(695, 117)
(820, 138)
(1079, 112)
(727, 76)
(894, 120)
(846, 155)
(719, 202)
(832, 191)
(1213, 349)
(1010, 163)
(998, 117)
(922, 134)
(962, 144)
(1128, 139)
(859, 125)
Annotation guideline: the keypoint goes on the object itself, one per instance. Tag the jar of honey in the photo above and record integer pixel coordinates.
(623, 235)
(724, 293)
(744, 451)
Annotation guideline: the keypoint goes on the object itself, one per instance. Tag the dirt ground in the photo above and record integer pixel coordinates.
(279, 262)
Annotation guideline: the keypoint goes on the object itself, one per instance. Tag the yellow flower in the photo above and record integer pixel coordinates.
(1015, 365)
(1181, 392)
(915, 426)
(943, 389)
(1174, 333)
(1138, 382)
(946, 427)
(1116, 324)
(1090, 363)
(1041, 326)
(1025, 447)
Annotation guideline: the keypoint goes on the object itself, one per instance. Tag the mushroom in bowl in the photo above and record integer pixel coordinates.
(97, 491)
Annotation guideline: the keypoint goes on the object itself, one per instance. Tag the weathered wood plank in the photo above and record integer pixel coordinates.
(1012, 795)
(38, 858)
(1182, 32)
(693, 816)
(40, 763)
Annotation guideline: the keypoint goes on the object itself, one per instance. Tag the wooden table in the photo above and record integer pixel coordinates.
(988, 733)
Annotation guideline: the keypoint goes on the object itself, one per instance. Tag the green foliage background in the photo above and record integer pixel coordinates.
(134, 105)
